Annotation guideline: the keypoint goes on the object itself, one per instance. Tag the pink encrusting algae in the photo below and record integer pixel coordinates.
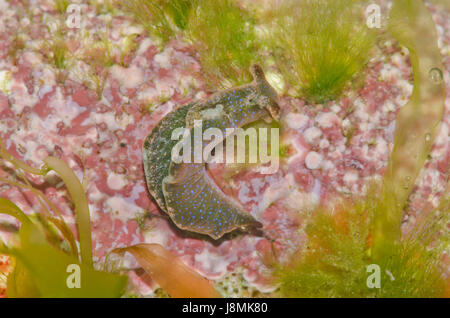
(333, 149)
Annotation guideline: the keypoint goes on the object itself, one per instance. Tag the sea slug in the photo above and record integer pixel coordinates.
(185, 191)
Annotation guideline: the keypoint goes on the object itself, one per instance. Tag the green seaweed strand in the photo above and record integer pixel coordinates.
(81, 205)
(417, 122)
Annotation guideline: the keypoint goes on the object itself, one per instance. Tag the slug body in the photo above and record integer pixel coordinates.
(185, 191)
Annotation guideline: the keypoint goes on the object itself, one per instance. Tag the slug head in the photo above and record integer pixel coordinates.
(269, 96)
(253, 227)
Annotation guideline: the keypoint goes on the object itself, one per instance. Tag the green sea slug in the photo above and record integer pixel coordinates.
(185, 191)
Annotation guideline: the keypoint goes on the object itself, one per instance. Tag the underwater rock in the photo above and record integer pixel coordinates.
(105, 137)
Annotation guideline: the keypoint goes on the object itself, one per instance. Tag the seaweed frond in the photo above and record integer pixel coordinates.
(320, 46)
(417, 122)
(170, 272)
(81, 205)
(41, 259)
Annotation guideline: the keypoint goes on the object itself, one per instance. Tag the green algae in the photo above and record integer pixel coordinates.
(41, 268)
(42, 259)
(163, 19)
(339, 251)
(320, 46)
(61, 5)
(417, 122)
(224, 37)
(222, 32)
(342, 243)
